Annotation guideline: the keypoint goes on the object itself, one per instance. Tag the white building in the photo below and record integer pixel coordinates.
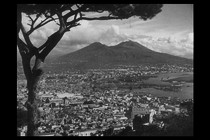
(152, 113)
(86, 132)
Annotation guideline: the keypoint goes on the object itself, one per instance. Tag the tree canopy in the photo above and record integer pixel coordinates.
(119, 11)
(78, 11)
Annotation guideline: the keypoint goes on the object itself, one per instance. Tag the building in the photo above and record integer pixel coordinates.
(57, 101)
(152, 113)
(46, 134)
(45, 96)
(139, 111)
(161, 108)
(146, 114)
(86, 132)
(75, 103)
(118, 127)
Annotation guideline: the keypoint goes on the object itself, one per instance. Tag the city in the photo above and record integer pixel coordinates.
(84, 104)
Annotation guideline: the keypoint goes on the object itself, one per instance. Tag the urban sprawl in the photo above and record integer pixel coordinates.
(75, 103)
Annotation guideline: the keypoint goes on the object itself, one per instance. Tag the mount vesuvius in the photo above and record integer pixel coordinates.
(98, 55)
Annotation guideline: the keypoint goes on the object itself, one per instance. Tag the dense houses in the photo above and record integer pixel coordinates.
(80, 117)
(71, 104)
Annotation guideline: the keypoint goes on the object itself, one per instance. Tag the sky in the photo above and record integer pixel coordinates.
(171, 31)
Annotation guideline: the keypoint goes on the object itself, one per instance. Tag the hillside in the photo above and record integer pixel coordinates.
(125, 53)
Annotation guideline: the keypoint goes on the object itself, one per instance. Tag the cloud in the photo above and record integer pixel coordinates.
(156, 36)
(86, 34)
(171, 45)
(83, 32)
(191, 37)
(112, 35)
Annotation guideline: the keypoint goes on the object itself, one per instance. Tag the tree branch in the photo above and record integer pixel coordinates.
(44, 45)
(74, 12)
(23, 49)
(72, 25)
(51, 41)
(26, 37)
(54, 19)
(66, 7)
(42, 23)
(30, 18)
(100, 18)
(94, 18)
(50, 44)
(78, 6)
(33, 21)
(73, 21)
(75, 16)
(25, 58)
(62, 22)
(32, 50)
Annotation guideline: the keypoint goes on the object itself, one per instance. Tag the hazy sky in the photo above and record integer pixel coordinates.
(171, 31)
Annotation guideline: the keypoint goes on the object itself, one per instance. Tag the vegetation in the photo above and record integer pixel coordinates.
(175, 125)
(21, 117)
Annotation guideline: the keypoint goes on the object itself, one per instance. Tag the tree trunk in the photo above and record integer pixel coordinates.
(33, 75)
(32, 108)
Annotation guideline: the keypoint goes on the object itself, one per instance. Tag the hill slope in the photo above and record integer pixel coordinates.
(126, 53)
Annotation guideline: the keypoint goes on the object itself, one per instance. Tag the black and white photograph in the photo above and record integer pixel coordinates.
(87, 70)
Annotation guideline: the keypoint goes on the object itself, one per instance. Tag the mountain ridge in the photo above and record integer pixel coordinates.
(124, 53)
